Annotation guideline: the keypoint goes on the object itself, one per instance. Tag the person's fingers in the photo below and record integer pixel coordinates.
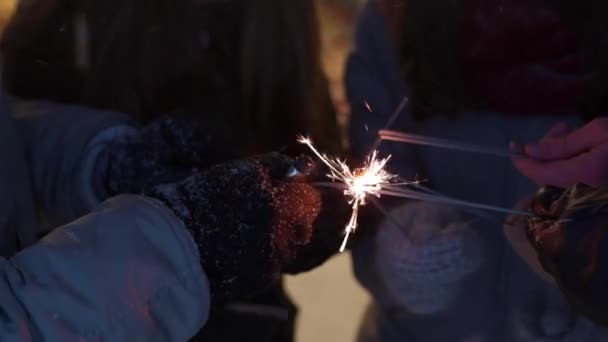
(559, 130)
(542, 174)
(590, 168)
(569, 145)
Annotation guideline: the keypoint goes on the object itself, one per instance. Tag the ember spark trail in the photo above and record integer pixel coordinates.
(359, 183)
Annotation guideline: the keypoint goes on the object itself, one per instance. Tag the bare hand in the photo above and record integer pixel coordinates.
(565, 157)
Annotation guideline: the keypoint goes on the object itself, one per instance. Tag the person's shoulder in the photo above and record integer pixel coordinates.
(372, 37)
(371, 18)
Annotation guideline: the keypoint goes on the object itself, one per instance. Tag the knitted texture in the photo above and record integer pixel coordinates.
(568, 232)
(247, 222)
(163, 151)
(424, 259)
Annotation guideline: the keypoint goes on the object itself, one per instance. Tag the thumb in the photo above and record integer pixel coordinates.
(559, 130)
(555, 146)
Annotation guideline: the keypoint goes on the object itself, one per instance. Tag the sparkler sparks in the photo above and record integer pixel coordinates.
(372, 179)
(358, 183)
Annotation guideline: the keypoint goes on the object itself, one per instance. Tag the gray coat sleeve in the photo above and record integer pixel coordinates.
(128, 271)
(57, 140)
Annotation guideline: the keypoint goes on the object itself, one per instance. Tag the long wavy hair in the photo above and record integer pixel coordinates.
(250, 68)
(427, 36)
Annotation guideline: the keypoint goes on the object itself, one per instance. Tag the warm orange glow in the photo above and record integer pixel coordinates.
(7, 8)
(359, 183)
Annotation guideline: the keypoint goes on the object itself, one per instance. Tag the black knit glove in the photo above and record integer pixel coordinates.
(165, 150)
(569, 233)
(248, 222)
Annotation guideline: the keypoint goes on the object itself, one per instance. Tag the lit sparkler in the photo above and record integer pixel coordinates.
(358, 183)
(372, 179)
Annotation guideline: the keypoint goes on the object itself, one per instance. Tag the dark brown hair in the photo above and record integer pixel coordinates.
(427, 36)
(252, 67)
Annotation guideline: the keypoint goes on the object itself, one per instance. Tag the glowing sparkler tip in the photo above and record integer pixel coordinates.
(304, 140)
(359, 183)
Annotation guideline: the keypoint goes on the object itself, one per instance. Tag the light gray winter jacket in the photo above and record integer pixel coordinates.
(127, 271)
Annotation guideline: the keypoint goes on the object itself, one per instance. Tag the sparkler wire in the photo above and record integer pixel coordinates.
(373, 179)
(450, 201)
(417, 139)
(391, 191)
(391, 120)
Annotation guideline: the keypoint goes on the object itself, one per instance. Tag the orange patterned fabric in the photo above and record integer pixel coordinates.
(569, 235)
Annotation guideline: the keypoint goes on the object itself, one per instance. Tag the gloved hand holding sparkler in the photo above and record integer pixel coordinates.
(327, 234)
(251, 223)
(568, 232)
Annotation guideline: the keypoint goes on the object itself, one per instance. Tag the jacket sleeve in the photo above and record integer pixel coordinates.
(60, 151)
(128, 271)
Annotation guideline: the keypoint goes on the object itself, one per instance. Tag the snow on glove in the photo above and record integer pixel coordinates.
(163, 151)
(328, 229)
(248, 222)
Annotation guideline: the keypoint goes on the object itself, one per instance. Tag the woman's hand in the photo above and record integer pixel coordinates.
(565, 157)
